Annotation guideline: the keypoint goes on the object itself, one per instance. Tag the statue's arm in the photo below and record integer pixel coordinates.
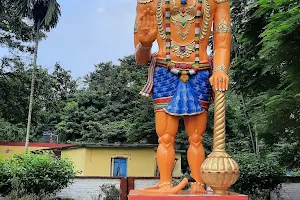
(222, 35)
(143, 48)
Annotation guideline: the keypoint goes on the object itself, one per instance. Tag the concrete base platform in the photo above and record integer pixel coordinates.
(134, 195)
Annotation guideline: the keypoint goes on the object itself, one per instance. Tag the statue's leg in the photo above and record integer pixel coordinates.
(166, 128)
(195, 127)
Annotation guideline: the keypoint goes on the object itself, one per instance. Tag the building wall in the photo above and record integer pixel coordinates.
(87, 188)
(289, 190)
(140, 161)
(99, 161)
(78, 157)
(8, 151)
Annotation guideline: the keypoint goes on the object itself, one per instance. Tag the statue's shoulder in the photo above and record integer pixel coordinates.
(220, 1)
(144, 1)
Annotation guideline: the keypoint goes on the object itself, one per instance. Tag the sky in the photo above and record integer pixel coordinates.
(87, 34)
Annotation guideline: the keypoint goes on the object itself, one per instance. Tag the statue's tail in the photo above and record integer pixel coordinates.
(165, 191)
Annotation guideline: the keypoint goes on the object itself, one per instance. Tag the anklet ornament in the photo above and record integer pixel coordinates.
(165, 185)
(198, 184)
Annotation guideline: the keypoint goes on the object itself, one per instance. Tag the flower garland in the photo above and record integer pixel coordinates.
(184, 74)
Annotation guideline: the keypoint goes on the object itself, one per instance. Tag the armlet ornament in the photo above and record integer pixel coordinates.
(220, 67)
(220, 1)
(140, 46)
(222, 27)
(144, 1)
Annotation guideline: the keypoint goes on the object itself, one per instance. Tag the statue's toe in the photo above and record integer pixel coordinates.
(197, 188)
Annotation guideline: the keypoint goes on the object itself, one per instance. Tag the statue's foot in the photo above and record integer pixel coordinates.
(159, 185)
(165, 188)
(198, 188)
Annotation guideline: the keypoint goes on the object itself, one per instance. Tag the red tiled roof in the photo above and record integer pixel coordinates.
(36, 144)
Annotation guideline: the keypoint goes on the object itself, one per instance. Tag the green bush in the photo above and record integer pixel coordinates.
(36, 174)
(110, 192)
(19, 193)
(259, 175)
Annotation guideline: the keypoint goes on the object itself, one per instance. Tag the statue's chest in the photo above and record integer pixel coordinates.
(182, 16)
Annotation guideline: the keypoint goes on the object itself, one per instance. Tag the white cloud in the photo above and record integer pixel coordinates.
(100, 10)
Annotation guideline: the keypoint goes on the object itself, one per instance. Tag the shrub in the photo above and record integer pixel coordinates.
(36, 174)
(259, 175)
(110, 192)
(19, 193)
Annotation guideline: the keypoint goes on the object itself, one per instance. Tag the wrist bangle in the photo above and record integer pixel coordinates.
(220, 67)
(144, 48)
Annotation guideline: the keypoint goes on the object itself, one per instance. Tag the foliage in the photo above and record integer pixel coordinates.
(259, 175)
(52, 92)
(11, 132)
(265, 71)
(296, 173)
(109, 109)
(37, 174)
(19, 193)
(14, 31)
(44, 13)
(110, 192)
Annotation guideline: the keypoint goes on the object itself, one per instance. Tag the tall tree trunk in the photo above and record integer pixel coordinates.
(37, 33)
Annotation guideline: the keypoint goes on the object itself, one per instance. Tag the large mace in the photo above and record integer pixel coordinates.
(219, 170)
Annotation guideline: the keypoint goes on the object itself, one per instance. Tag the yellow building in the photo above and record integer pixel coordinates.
(116, 160)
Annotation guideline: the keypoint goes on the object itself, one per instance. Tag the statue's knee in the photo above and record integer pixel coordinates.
(196, 139)
(166, 139)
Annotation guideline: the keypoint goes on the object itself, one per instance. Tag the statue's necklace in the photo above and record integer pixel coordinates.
(165, 31)
(166, 35)
(183, 17)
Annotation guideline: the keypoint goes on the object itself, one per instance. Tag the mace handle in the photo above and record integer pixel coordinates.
(219, 122)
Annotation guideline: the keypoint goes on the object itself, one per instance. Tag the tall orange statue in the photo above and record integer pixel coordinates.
(181, 75)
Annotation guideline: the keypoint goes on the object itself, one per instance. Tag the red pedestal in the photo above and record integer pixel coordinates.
(134, 195)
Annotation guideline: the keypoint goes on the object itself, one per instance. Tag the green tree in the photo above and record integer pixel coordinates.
(52, 92)
(265, 73)
(45, 15)
(109, 107)
(15, 32)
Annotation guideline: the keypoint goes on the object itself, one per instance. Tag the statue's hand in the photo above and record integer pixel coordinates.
(147, 28)
(219, 80)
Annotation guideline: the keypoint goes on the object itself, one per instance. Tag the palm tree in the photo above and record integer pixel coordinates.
(45, 15)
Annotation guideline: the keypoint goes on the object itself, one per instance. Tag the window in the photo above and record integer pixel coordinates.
(119, 167)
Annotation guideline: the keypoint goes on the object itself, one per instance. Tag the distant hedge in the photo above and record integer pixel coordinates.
(259, 175)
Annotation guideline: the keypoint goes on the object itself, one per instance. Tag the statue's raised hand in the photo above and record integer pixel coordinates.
(147, 28)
